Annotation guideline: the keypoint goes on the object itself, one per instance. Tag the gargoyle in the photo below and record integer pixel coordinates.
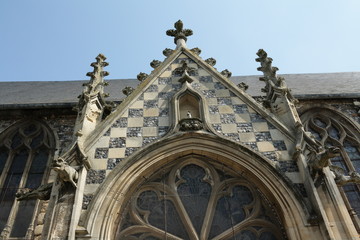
(42, 193)
(341, 179)
(66, 172)
(320, 160)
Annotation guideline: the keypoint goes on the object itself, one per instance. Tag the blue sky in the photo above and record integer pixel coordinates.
(57, 40)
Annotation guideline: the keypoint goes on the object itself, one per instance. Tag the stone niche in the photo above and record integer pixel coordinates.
(189, 103)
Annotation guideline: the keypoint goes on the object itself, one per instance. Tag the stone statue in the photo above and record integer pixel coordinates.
(188, 114)
(341, 179)
(318, 161)
(66, 172)
(42, 193)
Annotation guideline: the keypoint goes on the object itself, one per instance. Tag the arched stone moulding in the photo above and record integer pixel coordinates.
(101, 219)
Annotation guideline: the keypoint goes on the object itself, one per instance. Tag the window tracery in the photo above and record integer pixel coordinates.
(25, 150)
(194, 199)
(331, 129)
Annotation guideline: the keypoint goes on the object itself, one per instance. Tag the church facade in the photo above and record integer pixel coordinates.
(187, 153)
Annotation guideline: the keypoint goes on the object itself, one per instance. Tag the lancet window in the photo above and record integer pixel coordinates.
(198, 199)
(332, 129)
(25, 150)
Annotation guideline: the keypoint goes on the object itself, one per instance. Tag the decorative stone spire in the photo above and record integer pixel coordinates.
(184, 69)
(211, 61)
(278, 96)
(274, 84)
(95, 87)
(180, 35)
(96, 82)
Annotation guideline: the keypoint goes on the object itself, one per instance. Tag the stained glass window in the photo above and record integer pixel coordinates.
(198, 200)
(331, 129)
(25, 150)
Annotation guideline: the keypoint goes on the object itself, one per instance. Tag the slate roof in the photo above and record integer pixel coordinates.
(63, 93)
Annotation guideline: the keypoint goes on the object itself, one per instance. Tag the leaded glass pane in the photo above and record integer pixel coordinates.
(16, 141)
(20, 160)
(29, 129)
(334, 132)
(246, 235)
(3, 158)
(36, 142)
(162, 213)
(194, 193)
(230, 210)
(267, 236)
(23, 218)
(11, 185)
(176, 202)
(353, 195)
(319, 123)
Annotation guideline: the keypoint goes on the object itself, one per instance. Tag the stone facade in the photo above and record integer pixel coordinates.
(187, 144)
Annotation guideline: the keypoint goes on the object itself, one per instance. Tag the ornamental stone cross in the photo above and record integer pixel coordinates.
(179, 32)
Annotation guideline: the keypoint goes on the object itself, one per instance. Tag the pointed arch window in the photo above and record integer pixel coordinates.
(25, 150)
(196, 199)
(332, 129)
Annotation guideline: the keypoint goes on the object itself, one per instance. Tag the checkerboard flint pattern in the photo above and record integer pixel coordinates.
(147, 119)
(233, 119)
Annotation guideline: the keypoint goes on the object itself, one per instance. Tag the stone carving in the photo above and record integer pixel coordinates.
(211, 61)
(226, 73)
(66, 172)
(167, 52)
(155, 63)
(128, 90)
(179, 32)
(142, 76)
(243, 86)
(274, 85)
(191, 124)
(197, 51)
(341, 179)
(42, 193)
(319, 160)
(357, 104)
(96, 84)
(184, 69)
(188, 114)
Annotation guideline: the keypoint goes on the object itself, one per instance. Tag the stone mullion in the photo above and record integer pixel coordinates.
(147, 228)
(6, 168)
(351, 211)
(210, 211)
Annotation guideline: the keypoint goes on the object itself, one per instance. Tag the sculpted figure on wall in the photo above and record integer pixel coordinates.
(66, 172)
(42, 193)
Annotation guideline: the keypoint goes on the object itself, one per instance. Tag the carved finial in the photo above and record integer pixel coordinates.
(179, 32)
(196, 50)
(341, 179)
(243, 86)
(142, 76)
(226, 73)
(128, 90)
(266, 67)
(96, 84)
(155, 63)
(65, 172)
(167, 52)
(211, 61)
(184, 69)
(271, 79)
